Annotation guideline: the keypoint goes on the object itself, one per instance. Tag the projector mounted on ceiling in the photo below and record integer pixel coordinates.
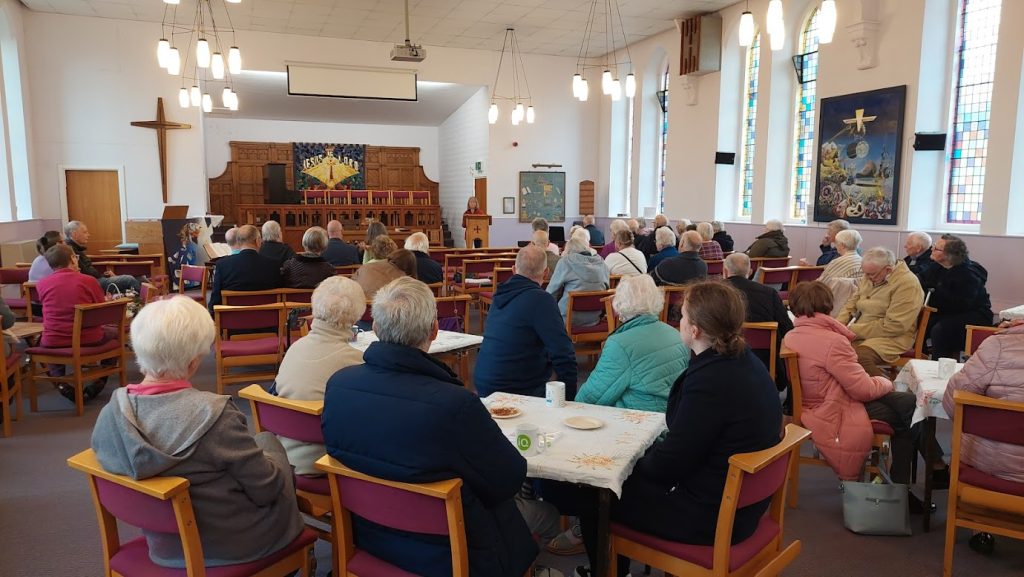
(408, 52)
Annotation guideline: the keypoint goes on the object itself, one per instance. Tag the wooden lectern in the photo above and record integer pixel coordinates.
(478, 230)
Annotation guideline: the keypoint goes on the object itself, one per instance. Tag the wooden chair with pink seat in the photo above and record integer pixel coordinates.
(16, 276)
(248, 336)
(194, 274)
(589, 339)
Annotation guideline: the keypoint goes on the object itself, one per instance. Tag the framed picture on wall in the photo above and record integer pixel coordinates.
(860, 145)
(508, 205)
(541, 194)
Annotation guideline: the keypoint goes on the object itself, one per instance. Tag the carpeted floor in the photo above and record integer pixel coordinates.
(48, 526)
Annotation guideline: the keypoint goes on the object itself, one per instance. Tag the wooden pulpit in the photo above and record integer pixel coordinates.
(478, 230)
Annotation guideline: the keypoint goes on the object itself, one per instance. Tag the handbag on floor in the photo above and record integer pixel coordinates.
(878, 508)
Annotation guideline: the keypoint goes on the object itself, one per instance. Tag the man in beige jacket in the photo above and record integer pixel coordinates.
(884, 310)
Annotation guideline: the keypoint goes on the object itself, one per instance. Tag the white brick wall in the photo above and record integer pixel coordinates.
(461, 141)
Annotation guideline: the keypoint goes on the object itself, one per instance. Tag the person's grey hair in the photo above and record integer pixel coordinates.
(541, 239)
(660, 220)
(272, 231)
(247, 235)
(706, 230)
(168, 334)
(633, 225)
(637, 295)
(71, 227)
(773, 224)
(737, 264)
(682, 223)
(617, 225)
(691, 241)
(539, 224)
(231, 237)
(531, 261)
(955, 249)
(577, 243)
(339, 302)
(879, 256)
(922, 240)
(838, 225)
(588, 220)
(581, 233)
(314, 239)
(849, 239)
(404, 312)
(716, 225)
(665, 237)
(418, 242)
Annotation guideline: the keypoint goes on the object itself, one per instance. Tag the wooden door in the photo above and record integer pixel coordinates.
(94, 198)
(480, 192)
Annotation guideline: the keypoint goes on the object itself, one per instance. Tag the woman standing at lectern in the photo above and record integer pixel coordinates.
(472, 207)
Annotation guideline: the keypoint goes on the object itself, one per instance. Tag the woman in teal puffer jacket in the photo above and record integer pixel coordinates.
(642, 358)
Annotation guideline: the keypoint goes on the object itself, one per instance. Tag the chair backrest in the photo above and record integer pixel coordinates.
(480, 268)
(428, 508)
(436, 287)
(994, 419)
(299, 420)
(453, 310)
(796, 389)
(768, 261)
(754, 477)
(588, 301)
(13, 275)
(247, 318)
(769, 275)
(250, 298)
(131, 268)
(806, 274)
(716, 267)
(192, 273)
(502, 274)
(975, 336)
(30, 294)
(674, 296)
(368, 313)
(297, 295)
(347, 270)
(97, 315)
(763, 336)
(922, 330)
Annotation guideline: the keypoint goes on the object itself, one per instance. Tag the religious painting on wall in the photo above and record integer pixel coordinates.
(320, 166)
(542, 194)
(860, 146)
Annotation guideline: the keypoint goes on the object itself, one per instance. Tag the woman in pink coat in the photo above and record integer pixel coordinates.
(835, 387)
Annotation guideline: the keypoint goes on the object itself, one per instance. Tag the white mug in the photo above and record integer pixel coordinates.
(946, 368)
(555, 394)
(529, 440)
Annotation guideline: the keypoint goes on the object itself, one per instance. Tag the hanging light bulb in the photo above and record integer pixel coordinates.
(747, 29)
(606, 82)
(520, 110)
(202, 53)
(234, 101)
(529, 115)
(774, 19)
(778, 40)
(630, 85)
(584, 91)
(616, 90)
(196, 96)
(217, 66)
(576, 80)
(225, 97)
(173, 62)
(234, 60)
(207, 103)
(516, 116)
(492, 114)
(163, 47)
(826, 21)
(183, 98)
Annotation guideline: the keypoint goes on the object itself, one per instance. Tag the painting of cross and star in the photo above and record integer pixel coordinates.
(859, 149)
(320, 166)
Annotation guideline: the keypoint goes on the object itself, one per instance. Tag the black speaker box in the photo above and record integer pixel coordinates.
(725, 158)
(929, 141)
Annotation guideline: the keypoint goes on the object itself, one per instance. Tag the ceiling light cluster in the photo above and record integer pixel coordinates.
(611, 85)
(777, 27)
(201, 60)
(520, 86)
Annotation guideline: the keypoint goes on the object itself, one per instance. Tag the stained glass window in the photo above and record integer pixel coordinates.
(663, 143)
(749, 122)
(803, 144)
(972, 107)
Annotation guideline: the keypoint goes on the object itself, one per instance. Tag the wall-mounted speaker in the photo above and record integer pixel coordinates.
(725, 158)
(929, 141)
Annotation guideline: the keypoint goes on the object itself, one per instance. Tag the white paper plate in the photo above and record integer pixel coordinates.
(510, 412)
(583, 423)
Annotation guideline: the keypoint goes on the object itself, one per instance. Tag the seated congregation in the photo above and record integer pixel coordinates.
(708, 338)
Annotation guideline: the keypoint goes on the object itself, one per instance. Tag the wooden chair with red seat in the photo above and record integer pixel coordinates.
(768, 261)
(16, 276)
(883, 432)
(84, 363)
(163, 505)
(977, 500)
(194, 274)
(10, 389)
(428, 508)
(131, 268)
(437, 288)
(250, 298)
(296, 295)
(30, 295)
(247, 350)
(751, 478)
(347, 270)
(674, 296)
(298, 420)
(803, 273)
(777, 276)
(486, 298)
(716, 267)
(453, 315)
(921, 334)
(589, 340)
(764, 336)
(977, 334)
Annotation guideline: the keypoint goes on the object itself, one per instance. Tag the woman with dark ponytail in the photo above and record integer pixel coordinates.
(40, 269)
(723, 403)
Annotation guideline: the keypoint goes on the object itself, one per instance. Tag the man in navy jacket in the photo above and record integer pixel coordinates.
(525, 336)
(245, 271)
(404, 416)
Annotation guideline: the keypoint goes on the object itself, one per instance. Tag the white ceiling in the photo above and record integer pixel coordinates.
(553, 27)
(264, 95)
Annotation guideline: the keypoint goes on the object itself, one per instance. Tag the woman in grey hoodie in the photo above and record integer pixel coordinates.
(240, 485)
(579, 269)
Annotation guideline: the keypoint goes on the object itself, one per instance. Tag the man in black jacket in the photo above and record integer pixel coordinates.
(721, 236)
(77, 236)
(273, 246)
(245, 271)
(647, 243)
(687, 267)
(339, 252)
(957, 289)
(764, 305)
(918, 247)
(428, 270)
(596, 236)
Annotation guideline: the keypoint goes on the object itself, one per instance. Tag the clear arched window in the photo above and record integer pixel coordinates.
(803, 132)
(749, 123)
(663, 138)
(978, 31)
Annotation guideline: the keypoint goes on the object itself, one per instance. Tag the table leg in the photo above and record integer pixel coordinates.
(927, 438)
(602, 557)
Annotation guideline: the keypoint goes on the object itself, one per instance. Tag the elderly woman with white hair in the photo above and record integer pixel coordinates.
(771, 243)
(610, 247)
(273, 246)
(579, 269)
(308, 269)
(642, 358)
(240, 485)
(847, 264)
(428, 270)
(709, 248)
(337, 304)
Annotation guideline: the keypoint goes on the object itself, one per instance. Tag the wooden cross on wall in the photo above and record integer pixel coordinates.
(161, 125)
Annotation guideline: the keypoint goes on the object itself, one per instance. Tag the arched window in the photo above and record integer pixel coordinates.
(978, 31)
(663, 138)
(803, 132)
(749, 122)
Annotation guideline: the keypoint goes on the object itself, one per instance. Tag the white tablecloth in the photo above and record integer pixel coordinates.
(1014, 313)
(921, 377)
(446, 341)
(601, 458)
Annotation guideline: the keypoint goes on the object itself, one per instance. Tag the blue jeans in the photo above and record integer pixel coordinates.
(122, 281)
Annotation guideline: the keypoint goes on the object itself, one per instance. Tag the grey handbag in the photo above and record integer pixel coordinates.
(876, 509)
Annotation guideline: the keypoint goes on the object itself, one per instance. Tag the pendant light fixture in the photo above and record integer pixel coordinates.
(202, 63)
(747, 27)
(612, 83)
(523, 108)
